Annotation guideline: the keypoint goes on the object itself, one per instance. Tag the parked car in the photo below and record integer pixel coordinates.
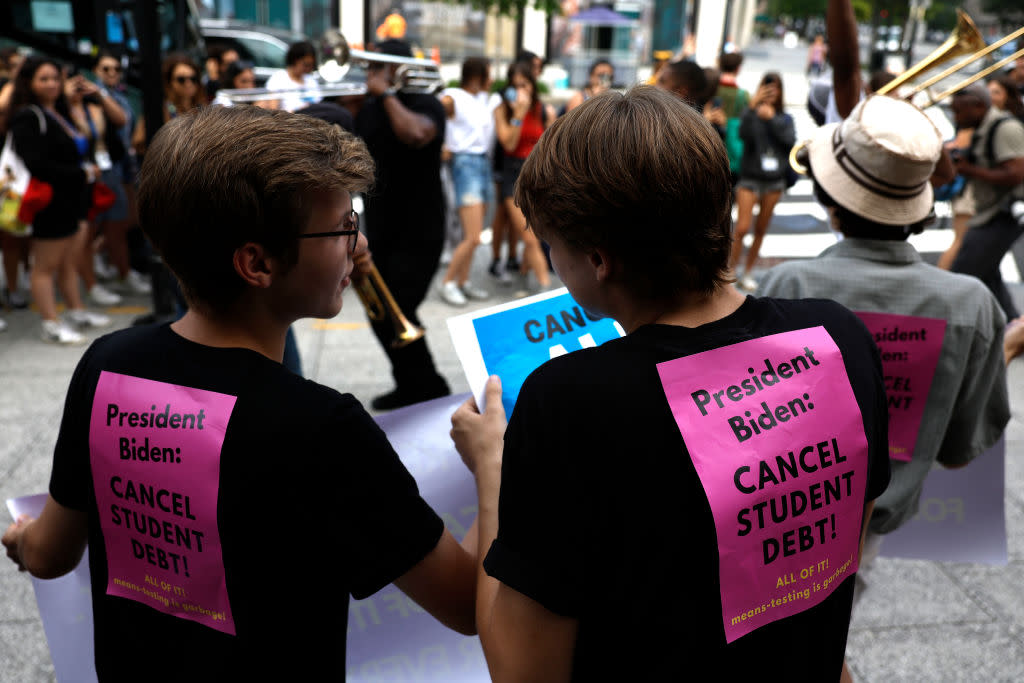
(264, 47)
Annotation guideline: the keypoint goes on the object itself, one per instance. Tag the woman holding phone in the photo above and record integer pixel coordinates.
(768, 135)
(520, 120)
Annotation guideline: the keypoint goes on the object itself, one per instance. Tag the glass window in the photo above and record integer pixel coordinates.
(454, 30)
(264, 52)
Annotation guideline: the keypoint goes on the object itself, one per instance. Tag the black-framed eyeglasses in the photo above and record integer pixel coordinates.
(115, 69)
(182, 80)
(352, 230)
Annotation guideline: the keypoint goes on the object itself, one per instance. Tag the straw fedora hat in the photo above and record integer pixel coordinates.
(877, 162)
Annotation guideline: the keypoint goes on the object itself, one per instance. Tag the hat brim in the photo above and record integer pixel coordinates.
(853, 196)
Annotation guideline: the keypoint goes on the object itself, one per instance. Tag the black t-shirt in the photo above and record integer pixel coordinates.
(405, 203)
(313, 505)
(602, 516)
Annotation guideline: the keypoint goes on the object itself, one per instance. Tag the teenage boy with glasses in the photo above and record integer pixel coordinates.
(193, 429)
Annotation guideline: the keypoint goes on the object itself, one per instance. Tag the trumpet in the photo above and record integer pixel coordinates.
(380, 305)
(412, 76)
(965, 40)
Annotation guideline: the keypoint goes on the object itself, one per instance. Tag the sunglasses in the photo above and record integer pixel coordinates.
(114, 69)
(182, 80)
(351, 224)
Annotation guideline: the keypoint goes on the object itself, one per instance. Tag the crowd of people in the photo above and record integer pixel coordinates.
(688, 421)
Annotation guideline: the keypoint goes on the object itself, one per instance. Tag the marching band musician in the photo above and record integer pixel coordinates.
(404, 215)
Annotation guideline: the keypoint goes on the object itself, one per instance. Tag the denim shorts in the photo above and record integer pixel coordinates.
(760, 187)
(472, 176)
(119, 210)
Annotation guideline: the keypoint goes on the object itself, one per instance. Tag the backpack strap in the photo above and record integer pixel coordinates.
(41, 117)
(990, 139)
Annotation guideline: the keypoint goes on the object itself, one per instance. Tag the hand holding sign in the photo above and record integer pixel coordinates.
(13, 536)
(478, 436)
(514, 339)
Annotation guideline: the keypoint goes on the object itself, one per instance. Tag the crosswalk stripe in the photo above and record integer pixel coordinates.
(801, 202)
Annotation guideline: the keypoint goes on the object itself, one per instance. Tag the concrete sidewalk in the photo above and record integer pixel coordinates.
(919, 621)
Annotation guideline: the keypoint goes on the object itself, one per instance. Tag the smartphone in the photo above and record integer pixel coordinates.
(716, 102)
(510, 94)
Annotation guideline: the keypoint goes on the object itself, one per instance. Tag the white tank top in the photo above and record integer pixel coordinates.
(472, 129)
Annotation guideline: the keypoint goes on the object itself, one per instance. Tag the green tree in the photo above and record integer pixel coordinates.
(941, 15)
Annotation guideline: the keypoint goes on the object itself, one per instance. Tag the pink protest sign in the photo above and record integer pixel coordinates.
(155, 451)
(776, 437)
(910, 348)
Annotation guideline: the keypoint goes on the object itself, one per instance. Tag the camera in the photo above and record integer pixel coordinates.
(956, 154)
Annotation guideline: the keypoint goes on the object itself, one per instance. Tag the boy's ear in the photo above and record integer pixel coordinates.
(253, 265)
(602, 262)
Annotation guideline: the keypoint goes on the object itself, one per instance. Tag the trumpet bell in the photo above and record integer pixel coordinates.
(380, 305)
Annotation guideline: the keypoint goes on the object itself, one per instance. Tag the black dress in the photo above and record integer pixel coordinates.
(52, 157)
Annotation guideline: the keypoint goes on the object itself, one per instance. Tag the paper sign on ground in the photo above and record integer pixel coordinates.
(776, 437)
(65, 605)
(514, 339)
(961, 517)
(390, 638)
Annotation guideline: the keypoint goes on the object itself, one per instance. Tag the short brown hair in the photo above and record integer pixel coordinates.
(729, 62)
(219, 177)
(643, 175)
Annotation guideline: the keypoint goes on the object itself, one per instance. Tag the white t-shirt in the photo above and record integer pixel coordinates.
(280, 80)
(472, 129)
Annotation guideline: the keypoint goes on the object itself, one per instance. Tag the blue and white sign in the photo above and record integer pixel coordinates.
(514, 339)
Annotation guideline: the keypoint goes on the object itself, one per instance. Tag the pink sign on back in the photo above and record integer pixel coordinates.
(910, 348)
(155, 450)
(776, 437)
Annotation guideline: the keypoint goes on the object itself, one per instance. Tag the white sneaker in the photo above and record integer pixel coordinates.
(136, 283)
(3, 325)
(452, 295)
(17, 299)
(103, 270)
(59, 333)
(473, 292)
(747, 283)
(101, 296)
(83, 319)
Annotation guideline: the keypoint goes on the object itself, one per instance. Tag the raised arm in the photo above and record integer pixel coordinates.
(412, 129)
(507, 130)
(845, 54)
